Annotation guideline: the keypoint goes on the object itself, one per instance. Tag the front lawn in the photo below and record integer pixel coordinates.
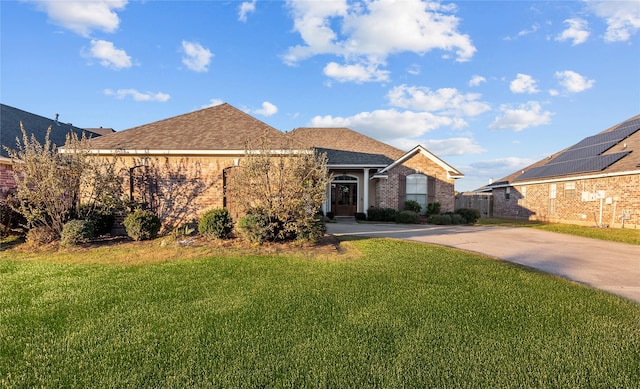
(382, 313)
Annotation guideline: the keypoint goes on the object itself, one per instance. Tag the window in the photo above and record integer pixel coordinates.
(569, 189)
(507, 193)
(417, 189)
(552, 198)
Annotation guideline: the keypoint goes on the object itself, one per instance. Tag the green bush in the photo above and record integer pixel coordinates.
(215, 223)
(382, 214)
(75, 232)
(439, 219)
(361, 216)
(407, 217)
(142, 225)
(412, 205)
(457, 219)
(312, 230)
(256, 226)
(102, 219)
(433, 208)
(470, 215)
(331, 215)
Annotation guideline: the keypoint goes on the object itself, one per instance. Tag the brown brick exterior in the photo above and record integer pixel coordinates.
(575, 206)
(388, 191)
(7, 182)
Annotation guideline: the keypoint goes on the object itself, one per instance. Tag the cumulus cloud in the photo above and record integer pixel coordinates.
(355, 73)
(246, 8)
(82, 17)
(622, 18)
(573, 82)
(447, 101)
(109, 55)
(523, 83)
(477, 80)
(196, 57)
(388, 125)
(137, 96)
(213, 103)
(453, 146)
(523, 116)
(368, 32)
(578, 31)
(268, 109)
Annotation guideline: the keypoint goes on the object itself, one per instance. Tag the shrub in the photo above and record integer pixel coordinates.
(142, 225)
(470, 215)
(382, 214)
(311, 231)
(331, 215)
(41, 235)
(361, 216)
(457, 219)
(433, 208)
(412, 205)
(407, 217)
(439, 219)
(215, 223)
(76, 232)
(256, 226)
(10, 219)
(102, 219)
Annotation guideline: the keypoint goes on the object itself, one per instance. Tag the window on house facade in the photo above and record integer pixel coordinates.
(569, 189)
(507, 193)
(416, 185)
(552, 198)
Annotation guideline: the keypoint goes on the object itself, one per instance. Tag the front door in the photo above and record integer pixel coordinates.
(344, 199)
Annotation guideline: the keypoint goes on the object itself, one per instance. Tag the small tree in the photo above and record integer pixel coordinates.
(287, 185)
(51, 185)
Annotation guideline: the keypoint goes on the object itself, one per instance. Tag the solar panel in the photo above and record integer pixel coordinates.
(583, 152)
(584, 165)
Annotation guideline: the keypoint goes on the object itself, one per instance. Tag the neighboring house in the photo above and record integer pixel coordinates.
(34, 125)
(198, 151)
(368, 173)
(594, 182)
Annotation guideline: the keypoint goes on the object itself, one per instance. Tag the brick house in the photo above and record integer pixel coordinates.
(594, 182)
(199, 150)
(34, 125)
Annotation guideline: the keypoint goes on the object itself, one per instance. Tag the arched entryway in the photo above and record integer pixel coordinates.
(344, 196)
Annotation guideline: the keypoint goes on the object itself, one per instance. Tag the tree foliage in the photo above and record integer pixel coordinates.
(288, 186)
(51, 185)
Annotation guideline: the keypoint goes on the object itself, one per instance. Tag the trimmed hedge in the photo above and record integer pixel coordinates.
(412, 205)
(75, 232)
(382, 214)
(407, 217)
(142, 225)
(215, 223)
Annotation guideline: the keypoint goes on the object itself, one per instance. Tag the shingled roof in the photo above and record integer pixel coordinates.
(10, 119)
(219, 128)
(615, 150)
(346, 147)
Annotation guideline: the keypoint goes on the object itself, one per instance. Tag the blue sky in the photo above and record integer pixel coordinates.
(488, 86)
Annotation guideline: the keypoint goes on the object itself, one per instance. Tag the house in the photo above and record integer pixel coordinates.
(198, 150)
(10, 119)
(369, 173)
(594, 182)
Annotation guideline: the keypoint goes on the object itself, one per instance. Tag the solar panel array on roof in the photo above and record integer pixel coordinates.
(586, 155)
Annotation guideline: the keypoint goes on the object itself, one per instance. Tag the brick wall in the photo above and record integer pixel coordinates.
(576, 202)
(6, 177)
(387, 191)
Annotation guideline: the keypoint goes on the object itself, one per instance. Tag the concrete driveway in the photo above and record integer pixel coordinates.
(610, 266)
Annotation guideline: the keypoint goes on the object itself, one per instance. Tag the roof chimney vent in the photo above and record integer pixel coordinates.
(56, 120)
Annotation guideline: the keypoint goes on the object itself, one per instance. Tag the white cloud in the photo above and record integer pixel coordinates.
(368, 32)
(477, 80)
(356, 73)
(267, 109)
(197, 58)
(578, 31)
(388, 125)
(521, 117)
(109, 55)
(573, 82)
(137, 96)
(622, 18)
(453, 146)
(246, 8)
(213, 103)
(523, 83)
(533, 29)
(82, 17)
(447, 101)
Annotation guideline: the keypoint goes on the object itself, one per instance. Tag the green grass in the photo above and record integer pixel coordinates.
(384, 314)
(626, 235)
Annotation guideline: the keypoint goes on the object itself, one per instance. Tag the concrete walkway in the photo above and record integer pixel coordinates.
(610, 266)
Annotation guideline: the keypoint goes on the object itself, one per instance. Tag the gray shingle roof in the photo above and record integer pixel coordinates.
(222, 127)
(37, 125)
(347, 147)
